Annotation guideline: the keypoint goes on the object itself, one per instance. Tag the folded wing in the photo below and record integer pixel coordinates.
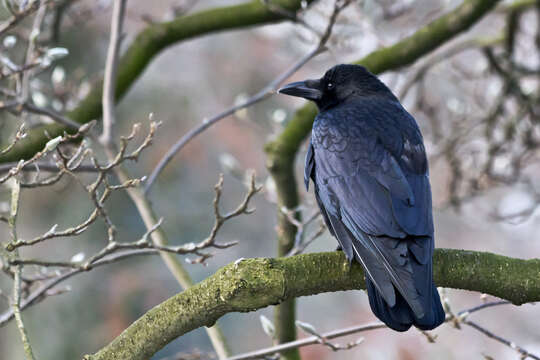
(371, 182)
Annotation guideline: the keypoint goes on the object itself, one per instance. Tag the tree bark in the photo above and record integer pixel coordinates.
(256, 283)
(401, 54)
(144, 48)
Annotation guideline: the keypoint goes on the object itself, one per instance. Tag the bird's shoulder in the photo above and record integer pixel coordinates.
(371, 125)
(339, 128)
(377, 172)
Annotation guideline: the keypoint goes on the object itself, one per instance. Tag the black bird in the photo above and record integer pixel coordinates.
(369, 166)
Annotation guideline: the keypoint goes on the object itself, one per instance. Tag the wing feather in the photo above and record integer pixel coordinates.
(374, 193)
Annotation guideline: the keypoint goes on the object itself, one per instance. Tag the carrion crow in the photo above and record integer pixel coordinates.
(367, 161)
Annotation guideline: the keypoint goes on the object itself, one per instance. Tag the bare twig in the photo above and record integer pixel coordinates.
(310, 329)
(49, 147)
(17, 272)
(462, 318)
(17, 70)
(17, 313)
(36, 30)
(323, 338)
(17, 106)
(291, 15)
(20, 134)
(464, 313)
(40, 292)
(308, 341)
(45, 166)
(524, 353)
(143, 206)
(444, 55)
(267, 91)
(109, 80)
(21, 15)
(302, 245)
(220, 219)
(51, 114)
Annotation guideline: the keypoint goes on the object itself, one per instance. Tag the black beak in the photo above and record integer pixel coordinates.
(309, 89)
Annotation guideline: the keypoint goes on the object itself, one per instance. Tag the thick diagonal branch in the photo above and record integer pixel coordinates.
(150, 42)
(256, 283)
(401, 54)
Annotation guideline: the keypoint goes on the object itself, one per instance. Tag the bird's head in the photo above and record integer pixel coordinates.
(339, 84)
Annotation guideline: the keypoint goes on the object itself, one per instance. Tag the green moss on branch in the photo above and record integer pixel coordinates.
(512, 279)
(281, 167)
(256, 283)
(144, 48)
(403, 53)
(281, 153)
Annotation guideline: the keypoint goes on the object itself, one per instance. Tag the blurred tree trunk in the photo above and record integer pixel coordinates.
(281, 167)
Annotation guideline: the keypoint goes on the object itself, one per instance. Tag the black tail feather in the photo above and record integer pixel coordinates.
(400, 317)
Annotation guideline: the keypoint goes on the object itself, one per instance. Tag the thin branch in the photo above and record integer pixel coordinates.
(143, 243)
(45, 166)
(109, 81)
(281, 168)
(19, 16)
(310, 329)
(524, 353)
(299, 245)
(220, 219)
(462, 318)
(302, 245)
(20, 134)
(17, 70)
(17, 272)
(17, 313)
(40, 292)
(143, 206)
(464, 313)
(308, 341)
(267, 91)
(292, 15)
(50, 146)
(444, 55)
(147, 44)
(52, 115)
(36, 30)
(256, 283)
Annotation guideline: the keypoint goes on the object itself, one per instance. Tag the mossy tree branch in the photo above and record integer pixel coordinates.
(281, 154)
(142, 51)
(401, 54)
(256, 283)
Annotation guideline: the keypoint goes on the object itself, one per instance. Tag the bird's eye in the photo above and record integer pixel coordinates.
(330, 86)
